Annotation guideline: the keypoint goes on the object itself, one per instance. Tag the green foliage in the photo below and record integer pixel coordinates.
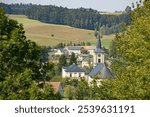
(132, 59)
(18, 86)
(82, 90)
(62, 60)
(72, 59)
(128, 9)
(69, 92)
(84, 51)
(20, 64)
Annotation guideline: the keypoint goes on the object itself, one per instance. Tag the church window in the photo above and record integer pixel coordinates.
(99, 60)
(99, 55)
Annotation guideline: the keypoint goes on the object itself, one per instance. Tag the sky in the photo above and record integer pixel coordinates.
(100, 5)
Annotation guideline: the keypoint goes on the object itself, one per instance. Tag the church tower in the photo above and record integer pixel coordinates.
(98, 56)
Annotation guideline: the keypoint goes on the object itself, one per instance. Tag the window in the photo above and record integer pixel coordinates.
(79, 74)
(99, 60)
(70, 75)
(99, 55)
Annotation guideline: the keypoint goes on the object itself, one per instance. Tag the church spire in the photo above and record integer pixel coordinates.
(99, 46)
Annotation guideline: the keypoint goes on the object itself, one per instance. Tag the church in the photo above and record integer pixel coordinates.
(99, 70)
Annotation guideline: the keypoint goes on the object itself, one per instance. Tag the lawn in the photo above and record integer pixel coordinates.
(51, 34)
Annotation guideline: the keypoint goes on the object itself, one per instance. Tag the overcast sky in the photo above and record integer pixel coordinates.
(100, 5)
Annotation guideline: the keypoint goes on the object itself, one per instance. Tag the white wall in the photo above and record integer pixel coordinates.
(58, 52)
(96, 57)
(73, 74)
(77, 52)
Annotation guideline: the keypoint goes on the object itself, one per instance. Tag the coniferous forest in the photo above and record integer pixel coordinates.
(79, 18)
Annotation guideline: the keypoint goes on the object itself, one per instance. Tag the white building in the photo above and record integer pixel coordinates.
(74, 49)
(73, 71)
(59, 52)
(62, 51)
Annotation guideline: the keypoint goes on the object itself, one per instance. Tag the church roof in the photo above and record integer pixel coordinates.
(73, 68)
(102, 70)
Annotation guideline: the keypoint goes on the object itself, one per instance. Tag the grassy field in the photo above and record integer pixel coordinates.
(41, 33)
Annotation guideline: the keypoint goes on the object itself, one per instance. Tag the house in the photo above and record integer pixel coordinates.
(59, 52)
(62, 51)
(74, 49)
(100, 71)
(90, 49)
(56, 86)
(73, 71)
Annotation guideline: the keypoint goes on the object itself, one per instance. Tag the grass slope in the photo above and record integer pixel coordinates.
(41, 33)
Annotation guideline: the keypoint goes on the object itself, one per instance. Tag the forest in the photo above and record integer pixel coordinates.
(79, 18)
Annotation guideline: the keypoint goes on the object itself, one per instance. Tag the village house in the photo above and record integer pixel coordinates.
(74, 49)
(90, 49)
(73, 71)
(62, 51)
(59, 52)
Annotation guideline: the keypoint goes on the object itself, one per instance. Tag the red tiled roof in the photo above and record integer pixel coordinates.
(55, 85)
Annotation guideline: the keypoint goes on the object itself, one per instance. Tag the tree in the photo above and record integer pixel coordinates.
(44, 54)
(128, 9)
(72, 59)
(20, 64)
(69, 92)
(82, 90)
(84, 51)
(62, 62)
(132, 64)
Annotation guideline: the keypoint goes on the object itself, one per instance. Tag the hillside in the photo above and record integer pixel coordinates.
(83, 18)
(41, 33)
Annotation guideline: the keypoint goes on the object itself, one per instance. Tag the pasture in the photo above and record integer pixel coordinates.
(51, 34)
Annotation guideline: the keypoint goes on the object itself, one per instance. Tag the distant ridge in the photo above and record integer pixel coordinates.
(79, 18)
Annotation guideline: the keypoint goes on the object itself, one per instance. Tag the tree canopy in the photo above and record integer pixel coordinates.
(132, 59)
(20, 64)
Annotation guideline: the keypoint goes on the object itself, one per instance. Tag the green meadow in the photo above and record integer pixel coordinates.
(51, 34)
